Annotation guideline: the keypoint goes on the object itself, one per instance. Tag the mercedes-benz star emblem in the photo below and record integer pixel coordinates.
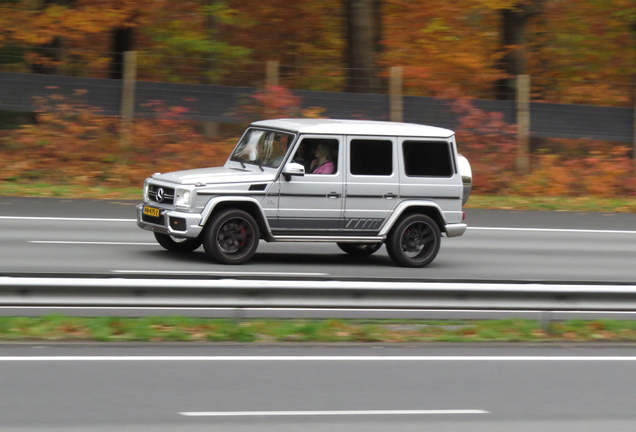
(160, 194)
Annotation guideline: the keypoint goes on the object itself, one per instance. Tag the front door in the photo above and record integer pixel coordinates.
(312, 204)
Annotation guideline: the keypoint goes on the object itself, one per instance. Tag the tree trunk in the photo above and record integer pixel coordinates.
(122, 41)
(52, 52)
(361, 45)
(514, 22)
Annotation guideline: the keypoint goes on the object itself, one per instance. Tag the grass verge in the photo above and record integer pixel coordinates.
(162, 329)
(42, 190)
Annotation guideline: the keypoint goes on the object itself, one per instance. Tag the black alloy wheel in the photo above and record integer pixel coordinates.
(231, 237)
(414, 241)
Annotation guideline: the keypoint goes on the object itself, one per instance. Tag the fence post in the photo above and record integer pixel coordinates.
(272, 73)
(128, 97)
(523, 124)
(396, 106)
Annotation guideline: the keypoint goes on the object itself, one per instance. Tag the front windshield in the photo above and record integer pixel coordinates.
(262, 147)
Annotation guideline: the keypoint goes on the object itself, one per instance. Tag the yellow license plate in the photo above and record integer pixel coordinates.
(151, 211)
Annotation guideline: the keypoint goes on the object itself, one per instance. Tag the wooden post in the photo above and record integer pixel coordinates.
(210, 129)
(395, 95)
(272, 73)
(128, 97)
(523, 124)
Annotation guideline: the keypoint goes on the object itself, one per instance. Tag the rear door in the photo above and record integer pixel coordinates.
(372, 183)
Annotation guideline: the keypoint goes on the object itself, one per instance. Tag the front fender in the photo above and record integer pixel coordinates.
(241, 203)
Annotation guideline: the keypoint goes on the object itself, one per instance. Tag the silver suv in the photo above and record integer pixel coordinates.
(356, 183)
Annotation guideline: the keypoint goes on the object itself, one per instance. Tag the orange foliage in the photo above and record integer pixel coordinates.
(74, 144)
(274, 102)
(489, 144)
(607, 173)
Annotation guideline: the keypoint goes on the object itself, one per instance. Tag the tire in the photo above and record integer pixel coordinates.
(231, 237)
(360, 249)
(414, 241)
(176, 244)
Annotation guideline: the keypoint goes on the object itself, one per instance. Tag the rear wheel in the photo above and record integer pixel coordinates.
(360, 249)
(231, 237)
(174, 244)
(414, 241)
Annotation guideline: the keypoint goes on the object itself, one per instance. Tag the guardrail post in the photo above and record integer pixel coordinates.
(523, 124)
(545, 321)
(395, 97)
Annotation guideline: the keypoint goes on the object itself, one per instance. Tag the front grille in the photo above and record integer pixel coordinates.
(161, 194)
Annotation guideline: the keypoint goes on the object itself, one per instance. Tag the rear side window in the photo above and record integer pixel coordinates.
(427, 158)
(371, 157)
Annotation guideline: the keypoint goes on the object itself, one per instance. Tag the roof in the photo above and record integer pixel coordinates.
(355, 127)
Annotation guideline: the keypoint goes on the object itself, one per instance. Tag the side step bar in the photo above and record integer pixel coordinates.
(327, 239)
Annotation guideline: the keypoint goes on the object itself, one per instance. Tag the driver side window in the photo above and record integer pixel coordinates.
(318, 155)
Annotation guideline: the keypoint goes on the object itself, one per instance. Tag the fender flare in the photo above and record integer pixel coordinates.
(404, 206)
(211, 205)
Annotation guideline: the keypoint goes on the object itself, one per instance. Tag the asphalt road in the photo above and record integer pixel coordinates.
(317, 388)
(45, 236)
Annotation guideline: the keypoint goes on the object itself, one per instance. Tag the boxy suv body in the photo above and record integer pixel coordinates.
(380, 182)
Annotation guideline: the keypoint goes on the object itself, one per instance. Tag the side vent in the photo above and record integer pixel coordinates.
(258, 187)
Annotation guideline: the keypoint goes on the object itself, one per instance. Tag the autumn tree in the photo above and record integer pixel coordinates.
(442, 44)
(305, 36)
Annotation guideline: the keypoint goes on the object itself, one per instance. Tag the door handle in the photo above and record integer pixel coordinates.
(390, 195)
(333, 195)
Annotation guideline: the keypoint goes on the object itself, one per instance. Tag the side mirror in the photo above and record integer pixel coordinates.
(293, 169)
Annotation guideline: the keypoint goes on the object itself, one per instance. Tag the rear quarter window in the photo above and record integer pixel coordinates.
(371, 157)
(427, 158)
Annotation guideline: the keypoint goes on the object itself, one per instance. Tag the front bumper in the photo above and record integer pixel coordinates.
(170, 222)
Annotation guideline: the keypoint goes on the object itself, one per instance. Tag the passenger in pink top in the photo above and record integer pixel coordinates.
(323, 164)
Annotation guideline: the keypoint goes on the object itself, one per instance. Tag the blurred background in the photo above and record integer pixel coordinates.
(541, 93)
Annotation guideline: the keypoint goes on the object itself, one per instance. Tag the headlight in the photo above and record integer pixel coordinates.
(146, 187)
(184, 199)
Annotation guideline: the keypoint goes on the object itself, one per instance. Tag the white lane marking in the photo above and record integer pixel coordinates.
(321, 358)
(92, 243)
(204, 272)
(66, 219)
(553, 230)
(330, 413)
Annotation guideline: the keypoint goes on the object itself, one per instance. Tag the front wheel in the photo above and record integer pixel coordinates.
(359, 249)
(414, 241)
(231, 237)
(176, 244)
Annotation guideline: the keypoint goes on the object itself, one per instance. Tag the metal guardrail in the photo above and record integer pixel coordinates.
(236, 298)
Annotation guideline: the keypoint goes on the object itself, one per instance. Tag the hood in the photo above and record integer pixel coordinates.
(215, 175)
